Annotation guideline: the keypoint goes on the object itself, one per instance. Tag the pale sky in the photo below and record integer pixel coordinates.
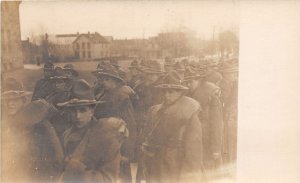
(127, 19)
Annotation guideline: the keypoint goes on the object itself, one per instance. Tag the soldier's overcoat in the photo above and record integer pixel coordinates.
(31, 148)
(211, 117)
(173, 146)
(93, 152)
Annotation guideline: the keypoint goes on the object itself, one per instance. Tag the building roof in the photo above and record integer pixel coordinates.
(94, 38)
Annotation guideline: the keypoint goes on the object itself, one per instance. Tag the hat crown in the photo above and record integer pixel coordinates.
(48, 65)
(153, 65)
(172, 78)
(68, 66)
(179, 66)
(82, 91)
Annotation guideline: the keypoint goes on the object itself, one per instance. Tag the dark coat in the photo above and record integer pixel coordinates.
(93, 152)
(31, 148)
(211, 117)
(173, 147)
(118, 104)
(42, 89)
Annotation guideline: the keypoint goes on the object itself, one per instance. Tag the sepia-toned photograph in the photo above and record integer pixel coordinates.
(119, 91)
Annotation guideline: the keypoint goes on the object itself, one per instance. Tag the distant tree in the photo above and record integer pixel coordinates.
(228, 42)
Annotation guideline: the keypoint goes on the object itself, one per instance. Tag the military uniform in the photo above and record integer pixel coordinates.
(43, 88)
(118, 104)
(173, 147)
(93, 152)
(208, 95)
(31, 148)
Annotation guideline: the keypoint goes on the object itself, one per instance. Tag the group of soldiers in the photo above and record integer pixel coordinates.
(158, 123)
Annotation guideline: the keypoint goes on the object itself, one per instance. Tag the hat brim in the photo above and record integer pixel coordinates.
(8, 95)
(151, 71)
(59, 78)
(111, 75)
(74, 73)
(172, 86)
(72, 103)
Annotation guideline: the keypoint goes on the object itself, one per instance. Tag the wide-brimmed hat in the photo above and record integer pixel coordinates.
(70, 67)
(81, 94)
(59, 74)
(169, 61)
(179, 67)
(172, 81)
(191, 74)
(13, 89)
(153, 67)
(134, 64)
(112, 73)
(115, 63)
(48, 66)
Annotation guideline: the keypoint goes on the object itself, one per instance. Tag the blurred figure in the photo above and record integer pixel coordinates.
(117, 97)
(31, 150)
(211, 116)
(135, 74)
(43, 87)
(148, 95)
(61, 85)
(70, 71)
(229, 97)
(169, 64)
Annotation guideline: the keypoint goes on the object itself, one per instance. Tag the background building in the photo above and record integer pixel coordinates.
(11, 46)
(91, 46)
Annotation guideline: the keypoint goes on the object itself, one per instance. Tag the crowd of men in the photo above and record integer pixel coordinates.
(160, 123)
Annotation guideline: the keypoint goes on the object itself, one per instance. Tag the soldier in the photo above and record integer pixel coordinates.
(121, 72)
(98, 85)
(213, 75)
(43, 87)
(117, 97)
(229, 87)
(70, 71)
(208, 95)
(31, 150)
(179, 67)
(61, 85)
(169, 64)
(135, 74)
(148, 95)
(92, 147)
(173, 146)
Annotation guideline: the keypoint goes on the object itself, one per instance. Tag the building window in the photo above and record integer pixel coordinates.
(88, 46)
(83, 54)
(89, 54)
(83, 45)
